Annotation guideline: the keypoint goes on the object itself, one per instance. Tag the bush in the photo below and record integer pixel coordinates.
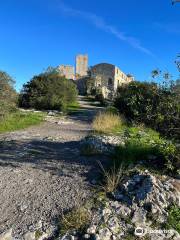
(173, 221)
(99, 97)
(153, 105)
(48, 91)
(8, 95)
(107, 122)
(146, 147)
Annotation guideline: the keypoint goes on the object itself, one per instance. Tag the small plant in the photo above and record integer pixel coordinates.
(111, 177)
(146, 146)
(38, 234)
(107, 122)
(89, 150)
(112, 110)
(77, 219)
(173, 221)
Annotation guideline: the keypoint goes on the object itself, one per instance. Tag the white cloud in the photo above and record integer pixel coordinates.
(100, 23)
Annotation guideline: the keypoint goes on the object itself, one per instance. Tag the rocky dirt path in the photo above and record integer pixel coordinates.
(42, 172)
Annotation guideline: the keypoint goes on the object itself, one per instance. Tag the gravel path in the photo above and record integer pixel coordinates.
(42, 172)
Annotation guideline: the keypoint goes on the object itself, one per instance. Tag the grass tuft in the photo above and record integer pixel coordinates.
(106, 122)
(111, 178)
(77, 219)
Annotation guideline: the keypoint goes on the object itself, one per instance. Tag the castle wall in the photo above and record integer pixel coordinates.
(67, 71)
(103, 74)
(120, 78)
(108, 77)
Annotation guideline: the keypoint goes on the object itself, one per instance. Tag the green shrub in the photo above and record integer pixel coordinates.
(8, 95)
(111, 110)
(99, 97)
(173, 221)
(151, 104)
(145, 145)
(48, 91)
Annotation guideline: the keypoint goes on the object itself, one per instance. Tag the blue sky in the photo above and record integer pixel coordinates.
(137, 36)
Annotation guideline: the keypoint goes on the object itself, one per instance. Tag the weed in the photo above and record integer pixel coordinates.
(107, 122)
(112, 178)
(89, 150)
(173, 220)
(77, 219)
(38, 234)
(20, 120)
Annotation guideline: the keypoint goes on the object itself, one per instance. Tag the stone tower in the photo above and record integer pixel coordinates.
(81, 65)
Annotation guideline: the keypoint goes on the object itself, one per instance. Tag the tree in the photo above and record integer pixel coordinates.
(7, 94)
(177, 62)
(155, 105)
(48, 90)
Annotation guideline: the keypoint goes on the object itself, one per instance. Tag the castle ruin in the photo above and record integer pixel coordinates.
(103, 77)
(108, 77)
(67, 71)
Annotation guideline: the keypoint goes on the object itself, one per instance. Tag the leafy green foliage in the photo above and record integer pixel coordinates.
(147, 147)
(8, 95)
(48, 91)
(173, 221)
(151, 104)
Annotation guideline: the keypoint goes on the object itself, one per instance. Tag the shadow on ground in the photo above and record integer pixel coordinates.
(55, 157)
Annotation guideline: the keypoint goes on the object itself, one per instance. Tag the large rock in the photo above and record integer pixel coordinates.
(6, 235)
(102, 143)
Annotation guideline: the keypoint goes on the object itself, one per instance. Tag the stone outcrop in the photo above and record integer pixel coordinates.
(138, 208)
(101, 143)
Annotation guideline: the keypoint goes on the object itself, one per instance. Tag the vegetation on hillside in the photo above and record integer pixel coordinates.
(8, 95)
(20, 120)
(173, 221)
(11, 118)
(47, 91)
(156, 106)
(145, 147)
(141, 144)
